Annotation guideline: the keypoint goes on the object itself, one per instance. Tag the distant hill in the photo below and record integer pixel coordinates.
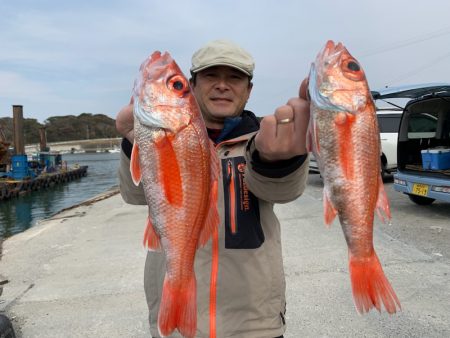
(64, 128)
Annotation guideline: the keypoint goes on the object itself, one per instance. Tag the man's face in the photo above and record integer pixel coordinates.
(221, 92)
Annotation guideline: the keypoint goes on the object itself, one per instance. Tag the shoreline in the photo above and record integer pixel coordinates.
(113, 190)
(88, 256)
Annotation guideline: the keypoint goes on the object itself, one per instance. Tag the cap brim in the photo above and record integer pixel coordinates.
(196, 70)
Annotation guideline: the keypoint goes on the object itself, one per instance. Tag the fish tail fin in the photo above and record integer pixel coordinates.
(370, 286)
(212, 219)
(178, 309)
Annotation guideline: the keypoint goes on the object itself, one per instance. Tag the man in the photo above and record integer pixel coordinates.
(261, 164)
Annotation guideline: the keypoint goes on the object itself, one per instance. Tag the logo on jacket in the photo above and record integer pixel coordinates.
(241, 167)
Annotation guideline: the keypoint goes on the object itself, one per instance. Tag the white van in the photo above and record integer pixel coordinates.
(388, 123)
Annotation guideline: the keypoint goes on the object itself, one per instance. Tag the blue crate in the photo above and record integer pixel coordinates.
(436, 159)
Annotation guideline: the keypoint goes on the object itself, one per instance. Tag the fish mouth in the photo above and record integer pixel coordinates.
(156, 55)
(331, 51)
(320, 89)
(156, 64)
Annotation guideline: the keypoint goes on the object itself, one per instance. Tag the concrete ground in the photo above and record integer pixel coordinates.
(80, 274)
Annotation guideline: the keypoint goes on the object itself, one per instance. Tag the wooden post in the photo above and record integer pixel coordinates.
(19, 146)
(43, 139)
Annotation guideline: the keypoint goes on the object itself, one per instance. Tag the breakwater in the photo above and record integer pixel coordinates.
(13, 188)
(89, 146)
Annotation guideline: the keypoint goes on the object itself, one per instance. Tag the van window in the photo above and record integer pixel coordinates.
(422, 125)
(388, 123)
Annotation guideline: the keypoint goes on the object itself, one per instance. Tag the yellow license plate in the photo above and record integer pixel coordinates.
(420, 189)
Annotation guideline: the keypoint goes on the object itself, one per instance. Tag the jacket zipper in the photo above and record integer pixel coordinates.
(232, 196)
(215, 264)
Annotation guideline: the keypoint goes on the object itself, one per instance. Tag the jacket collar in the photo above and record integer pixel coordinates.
(234, 127)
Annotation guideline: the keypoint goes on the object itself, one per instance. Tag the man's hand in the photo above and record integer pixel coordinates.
(125, 121)
(283, 135)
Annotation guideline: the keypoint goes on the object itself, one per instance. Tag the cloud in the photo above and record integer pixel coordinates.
(16, 86)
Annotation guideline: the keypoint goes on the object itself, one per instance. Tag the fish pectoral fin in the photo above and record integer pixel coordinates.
(382, 206)
(135, 168)
(329, 211)
(212, 218)
(151, 239)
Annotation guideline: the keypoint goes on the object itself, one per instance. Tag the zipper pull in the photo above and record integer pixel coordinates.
(229, 170)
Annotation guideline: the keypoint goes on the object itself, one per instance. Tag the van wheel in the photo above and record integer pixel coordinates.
(383, 172)
(6, 329)
(420, 200)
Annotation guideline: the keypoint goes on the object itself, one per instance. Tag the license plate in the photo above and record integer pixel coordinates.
(420, 189)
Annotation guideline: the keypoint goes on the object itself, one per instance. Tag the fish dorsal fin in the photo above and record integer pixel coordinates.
(151, 238)
(135, 168)
(169, 173)
(382, 206)
(212, 218)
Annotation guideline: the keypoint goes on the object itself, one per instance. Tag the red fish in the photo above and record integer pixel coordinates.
(344, 139)
(178, 166)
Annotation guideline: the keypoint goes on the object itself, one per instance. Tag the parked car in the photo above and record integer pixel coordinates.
(388, 122)
(423, 142)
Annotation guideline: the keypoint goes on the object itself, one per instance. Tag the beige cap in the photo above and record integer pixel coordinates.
(222, 53)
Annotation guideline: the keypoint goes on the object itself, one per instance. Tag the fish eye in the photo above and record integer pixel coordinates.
(351, 69)
(352, 65)
(178, 84)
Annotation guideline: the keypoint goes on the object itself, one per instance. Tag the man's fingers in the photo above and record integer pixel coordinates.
(125, 122)
(301, 112)
(285, 119)
(303, 92)
(268, 128)
(301, 122)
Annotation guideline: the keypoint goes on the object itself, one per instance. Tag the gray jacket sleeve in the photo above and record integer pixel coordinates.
(131, 193)
(282, 189)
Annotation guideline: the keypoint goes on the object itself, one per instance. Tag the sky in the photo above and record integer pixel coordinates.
(72, 57)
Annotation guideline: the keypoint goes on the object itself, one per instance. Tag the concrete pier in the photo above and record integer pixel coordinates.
(80, 274)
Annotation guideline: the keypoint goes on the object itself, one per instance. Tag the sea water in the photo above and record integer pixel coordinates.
(21, 213)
